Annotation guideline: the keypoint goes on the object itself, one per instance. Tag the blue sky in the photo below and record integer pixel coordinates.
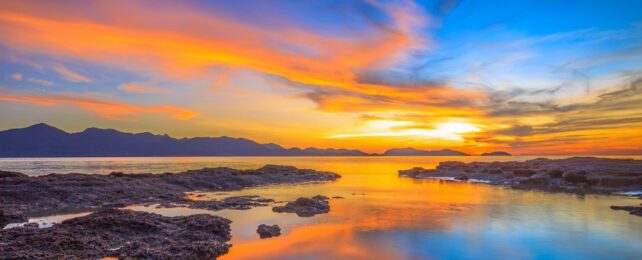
(376, 73)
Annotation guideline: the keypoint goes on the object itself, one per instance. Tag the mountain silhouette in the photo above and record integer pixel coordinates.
(414, 152)
(42, 140)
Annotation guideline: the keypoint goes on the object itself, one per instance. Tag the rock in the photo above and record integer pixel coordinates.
(633, 210)
(21, 194)
(11, 217)
(32, 225)
(124, 234)
(534, 182)
(266, 231)
(556, 173)
(306, 207)
(524, 173)
(412, 172)
(234, 202)
(577, 174)
(574, 178)
(5, 174)
(495, 171)
(451, 165)
(462, 177)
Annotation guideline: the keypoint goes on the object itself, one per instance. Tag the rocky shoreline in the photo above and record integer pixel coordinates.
(582, 175)
(21, 195)
(578, 174)
(123, 234)
(126, 234)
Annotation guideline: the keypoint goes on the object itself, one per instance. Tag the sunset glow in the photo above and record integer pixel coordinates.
(368, 75)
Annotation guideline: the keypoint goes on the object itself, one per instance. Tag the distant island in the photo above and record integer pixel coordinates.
(498, 153)
(42, 140)
(414, 152)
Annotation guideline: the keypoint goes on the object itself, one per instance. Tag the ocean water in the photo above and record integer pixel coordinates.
(383, 216)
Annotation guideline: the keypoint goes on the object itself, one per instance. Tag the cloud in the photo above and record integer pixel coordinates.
(104, 108)
(518, 130)
(138, 88)
(20, 77)
(43, 82)
(70, 75)
(209, 39)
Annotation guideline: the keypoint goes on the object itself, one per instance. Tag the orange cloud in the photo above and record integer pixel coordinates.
(208, 40)
(70, 75)
(107, 109)
(137, 88)
(16, 76)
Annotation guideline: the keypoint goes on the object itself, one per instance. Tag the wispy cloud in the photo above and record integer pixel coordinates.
(42, 82)
(70, 75)
(107, 109)
(138, 88)
(16, 76)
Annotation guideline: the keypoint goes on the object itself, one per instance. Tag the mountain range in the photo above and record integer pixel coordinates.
(414, 152)
(42, 140)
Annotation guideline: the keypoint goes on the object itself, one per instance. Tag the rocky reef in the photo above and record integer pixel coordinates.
(306, 207)
(21, 195)
(578, 174)
(267, 231)
(633, 210)
(124, 234)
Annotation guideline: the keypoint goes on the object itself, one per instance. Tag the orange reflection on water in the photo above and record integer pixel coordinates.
(330, 240)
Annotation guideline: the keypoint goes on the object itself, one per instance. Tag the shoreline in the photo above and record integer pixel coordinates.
(574, 175)
(109, 230)
(22, 194)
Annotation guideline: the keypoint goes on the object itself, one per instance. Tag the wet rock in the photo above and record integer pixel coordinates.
(5, 174)
(556, 173)
(412, 172)
(534, 182)
(574, 178)
(266, 231)
(11, 217)
(577, 174)
(462, 177)
(124, 234)
(523, 173)
(306, 207)
(22, 194)
(633, 210)
(234, 202)
(32, 225)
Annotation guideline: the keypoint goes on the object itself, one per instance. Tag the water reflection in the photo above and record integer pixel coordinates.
(384, 216)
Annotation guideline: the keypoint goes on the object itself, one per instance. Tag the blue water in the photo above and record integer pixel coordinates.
(383, 216)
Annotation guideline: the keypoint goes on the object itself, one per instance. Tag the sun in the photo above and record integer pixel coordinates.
(449, 130)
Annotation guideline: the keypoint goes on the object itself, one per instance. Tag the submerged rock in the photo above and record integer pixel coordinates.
(266, 231)
(234, 202)
(123, 234)
(633, 210)
(306, 207)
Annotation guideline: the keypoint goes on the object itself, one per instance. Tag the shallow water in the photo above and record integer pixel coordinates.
(383, 216)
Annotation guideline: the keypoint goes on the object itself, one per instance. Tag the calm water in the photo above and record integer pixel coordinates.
(383, 216)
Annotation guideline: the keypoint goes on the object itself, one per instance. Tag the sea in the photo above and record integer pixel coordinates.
(380, 215)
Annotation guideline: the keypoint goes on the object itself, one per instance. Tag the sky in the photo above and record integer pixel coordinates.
(527, 77)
